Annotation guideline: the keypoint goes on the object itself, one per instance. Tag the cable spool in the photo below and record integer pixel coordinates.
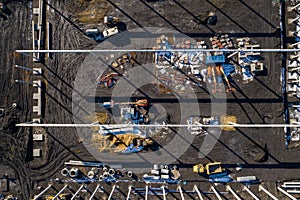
(14, 105)
(65, 172)
(74, 172)
(111, 171)
(105, 174)
(90, 174)
(100, 178)
(129, 174)
(166, 167)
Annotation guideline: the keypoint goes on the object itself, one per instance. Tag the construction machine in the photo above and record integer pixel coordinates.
(111, 20)
(210, 170)
(229, 89)
(61, 197)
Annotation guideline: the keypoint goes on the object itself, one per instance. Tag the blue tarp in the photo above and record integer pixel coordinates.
(228, 69)
(215, 59)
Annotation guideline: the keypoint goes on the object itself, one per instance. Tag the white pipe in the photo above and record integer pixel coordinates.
(146, 195)
(289, 8)
(251, 193)
(181, 193)
(40, 194)
(79, 189)
(161, 125)
(216, 193)
(260, 187)
(232, 192)
(164, 192)
(198, 192)
(112, 191)
(129, 191)
(57, 195)
(153, 50)
(95, 191)
(287, 194)
(232, 54)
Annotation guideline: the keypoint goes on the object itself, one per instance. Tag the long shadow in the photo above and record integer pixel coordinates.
(194, 147)
(233, 152)
(99, 98)
(66, 96)
(62, 144)
(221, 11)
(268, 22)
(243, 109)
(250, 102)
(202, 35)
(194, 16)
(272, 91)
(63, 106)
(256, 144)
(162, 17)
(62, 80)
(67, 19)
(124, 13)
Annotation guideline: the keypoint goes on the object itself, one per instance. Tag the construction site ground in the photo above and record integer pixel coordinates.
(259, 101)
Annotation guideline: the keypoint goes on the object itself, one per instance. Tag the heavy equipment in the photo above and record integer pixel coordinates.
(229, 89)
(108, 80)
(111, 20)
(210, 170)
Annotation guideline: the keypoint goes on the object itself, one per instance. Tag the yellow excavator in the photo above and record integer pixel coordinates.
(210, 170)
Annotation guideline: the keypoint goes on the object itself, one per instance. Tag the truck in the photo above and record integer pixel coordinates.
(111, 20)
(210, 170)
(100, 36)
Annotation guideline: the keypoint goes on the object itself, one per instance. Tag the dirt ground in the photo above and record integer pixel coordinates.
(257, 102)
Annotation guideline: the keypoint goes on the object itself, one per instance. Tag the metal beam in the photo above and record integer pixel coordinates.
(57, 195)
(79, 189)
(154, 50)
(233, 192)
(216, 193)
(42, 192)
(164, 192)
(112, 191)
(198, 192)
(250, 192)
(27, 124)
(287, 194)
(260, 187)
(129, 191)
(95, 191)
(181, 193)
(146, 195)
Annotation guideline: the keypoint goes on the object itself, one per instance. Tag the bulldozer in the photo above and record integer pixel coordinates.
(210, 170)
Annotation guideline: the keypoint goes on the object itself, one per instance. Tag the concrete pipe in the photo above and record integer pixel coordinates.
(166, 167)
(105, 174)
(90, 174)
(164, 171)
(105, 169)
(74, 172)
(100, 178)
(111, 171)
(155, 166)
(129, 174)
(95, 170)
(14, 105)
(65, 172)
